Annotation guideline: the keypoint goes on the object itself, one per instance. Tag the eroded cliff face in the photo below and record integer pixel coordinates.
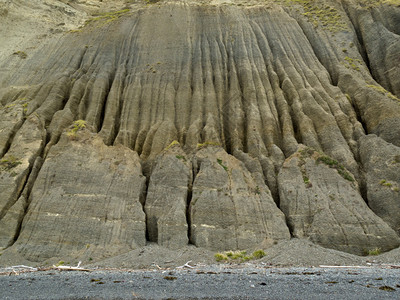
(224, 125)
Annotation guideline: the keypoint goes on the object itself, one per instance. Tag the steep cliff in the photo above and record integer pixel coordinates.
(222, 124)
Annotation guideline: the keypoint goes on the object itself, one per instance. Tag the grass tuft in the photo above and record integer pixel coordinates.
(375, 251)
(238, 256)
(173, 143)
(107, 17)
(381, 90)
(76, 126)
(9, 163)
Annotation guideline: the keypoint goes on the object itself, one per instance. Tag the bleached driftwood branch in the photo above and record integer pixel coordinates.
(70, 268)
(21, 267)
(185, 266)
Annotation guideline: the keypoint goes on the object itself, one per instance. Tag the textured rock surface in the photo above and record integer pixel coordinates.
(381, 162)
(86, 198)
(16, 164)
(322, 202)
(239, 85)
(166, 201)
(228, 209)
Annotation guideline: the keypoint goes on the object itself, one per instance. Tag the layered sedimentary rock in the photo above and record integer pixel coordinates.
(86, 196)
(320, 199)
(229, 209)
(167, 199)
(209, 101)
(381, 163)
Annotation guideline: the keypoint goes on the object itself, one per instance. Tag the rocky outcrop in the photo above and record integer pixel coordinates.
(381, 163)
(321, 201)
(229, 209)
(180, 122)
(87, 197)
(16, 175)
(167, 199)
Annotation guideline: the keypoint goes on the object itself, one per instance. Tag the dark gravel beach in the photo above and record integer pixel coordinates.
(205, 282)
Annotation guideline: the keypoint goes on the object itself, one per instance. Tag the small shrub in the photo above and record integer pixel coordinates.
(346, 175)
(327, 160)
(60, 263)
(76, 126)
(220, 257)
(240, 256)
(258, 254)
(306, 180)
(375, 251)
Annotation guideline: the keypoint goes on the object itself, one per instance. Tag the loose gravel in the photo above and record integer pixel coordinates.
(246, 281)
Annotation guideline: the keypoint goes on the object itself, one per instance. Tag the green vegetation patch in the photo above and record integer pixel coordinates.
(60, 263)
(21, 54)
(307, 181)
(238, 256)
(107, 17)
(9, 163)
(335, 165)
(390, 185)
(219, 161)
(383, 91)
(305, 153)
(309, 152)
(385, 183)
(173, 143)
(375, 251)
(320, 14)
(76, 126)
(352, 63)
